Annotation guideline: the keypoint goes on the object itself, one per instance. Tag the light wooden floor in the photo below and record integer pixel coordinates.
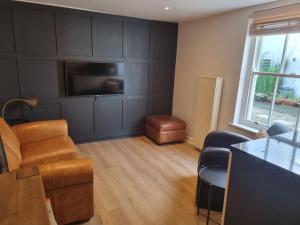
(139, 183)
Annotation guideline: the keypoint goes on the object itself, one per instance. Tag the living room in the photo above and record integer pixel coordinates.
(149, 112)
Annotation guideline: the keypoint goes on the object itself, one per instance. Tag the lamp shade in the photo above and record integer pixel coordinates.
(31, 102)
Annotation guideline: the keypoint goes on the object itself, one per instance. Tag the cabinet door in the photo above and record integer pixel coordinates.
(35, 31)
(39, 78)
(163, 40)
(161, 80)
(108, 115)
(79, 114)
(74, 34)
(136, 82)
(6, 31)
(135, 111)
(107, 37)
(137, 42)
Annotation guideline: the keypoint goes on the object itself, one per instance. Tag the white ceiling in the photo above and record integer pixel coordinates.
(180, 10)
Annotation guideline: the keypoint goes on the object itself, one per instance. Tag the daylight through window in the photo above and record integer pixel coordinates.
(274, 91)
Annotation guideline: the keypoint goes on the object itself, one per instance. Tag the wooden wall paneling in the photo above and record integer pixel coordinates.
(39, 78)
(7, 44)
(135, 111)
(9, 86)
(35, 31)
(108, 115)
(163, 40)
(74, 33)
(79, 114)
(46, 36)
(43, 111)
(161, 78)
(136, 80)
(107, 37)
(137, 40)
(160, 105)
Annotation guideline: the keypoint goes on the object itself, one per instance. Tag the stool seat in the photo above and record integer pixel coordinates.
(165, 128)
(214, 175)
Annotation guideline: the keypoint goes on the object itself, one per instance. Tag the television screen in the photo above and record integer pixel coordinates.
(94, 78)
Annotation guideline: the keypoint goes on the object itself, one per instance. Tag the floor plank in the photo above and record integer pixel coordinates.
(137, 182)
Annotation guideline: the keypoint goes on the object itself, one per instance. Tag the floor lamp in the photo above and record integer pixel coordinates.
(30, 102)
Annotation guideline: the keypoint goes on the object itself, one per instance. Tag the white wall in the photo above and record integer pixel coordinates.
(211, 46)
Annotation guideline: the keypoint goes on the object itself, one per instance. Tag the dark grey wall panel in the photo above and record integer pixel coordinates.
(46, 36)
(74, 34)
(9, 88)
(39, 78)
(35, 31)
(108, 115)
(9, 84)
(161, 79)
(79, 114)
(137, 40)
(107, 37)
(160, 105)
(136, 82)
(49, 111)
(163, 40)
(135, 111)
(6, 34)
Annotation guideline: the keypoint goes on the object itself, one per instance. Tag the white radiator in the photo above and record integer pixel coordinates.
(207, 107)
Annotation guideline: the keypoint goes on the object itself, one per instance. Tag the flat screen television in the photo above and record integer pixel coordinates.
(93, 78)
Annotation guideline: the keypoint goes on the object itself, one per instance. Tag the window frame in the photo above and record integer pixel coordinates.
(252, 72)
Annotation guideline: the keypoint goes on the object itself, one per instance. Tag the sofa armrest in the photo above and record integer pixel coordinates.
(66, 173)
(40, 130)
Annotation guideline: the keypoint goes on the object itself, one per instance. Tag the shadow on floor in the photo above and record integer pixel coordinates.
(182, 211)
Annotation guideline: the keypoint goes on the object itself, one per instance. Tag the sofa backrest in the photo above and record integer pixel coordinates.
(11, 146)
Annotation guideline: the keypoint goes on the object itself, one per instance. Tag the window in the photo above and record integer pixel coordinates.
(272, 93)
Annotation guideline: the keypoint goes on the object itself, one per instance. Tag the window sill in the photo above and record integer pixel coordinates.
(246, 128)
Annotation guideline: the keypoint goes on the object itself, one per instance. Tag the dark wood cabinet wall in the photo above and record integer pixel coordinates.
(36, 39)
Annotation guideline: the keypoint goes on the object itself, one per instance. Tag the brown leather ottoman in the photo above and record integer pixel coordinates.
(165, 128)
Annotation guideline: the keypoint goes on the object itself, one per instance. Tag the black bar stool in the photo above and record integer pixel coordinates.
(214, 177)
(212, 173)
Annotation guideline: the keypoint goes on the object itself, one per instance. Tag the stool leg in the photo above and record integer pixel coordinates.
(197, 196)
(209, 204)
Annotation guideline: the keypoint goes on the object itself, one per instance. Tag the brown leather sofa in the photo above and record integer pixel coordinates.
(67, 176)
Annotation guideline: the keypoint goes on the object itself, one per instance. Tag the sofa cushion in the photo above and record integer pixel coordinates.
(41, 151)
(11, 146)
(67, 170)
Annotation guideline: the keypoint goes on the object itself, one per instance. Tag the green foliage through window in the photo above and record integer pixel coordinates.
(265, 84)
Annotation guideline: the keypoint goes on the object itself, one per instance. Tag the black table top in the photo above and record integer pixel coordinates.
(282, 151)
